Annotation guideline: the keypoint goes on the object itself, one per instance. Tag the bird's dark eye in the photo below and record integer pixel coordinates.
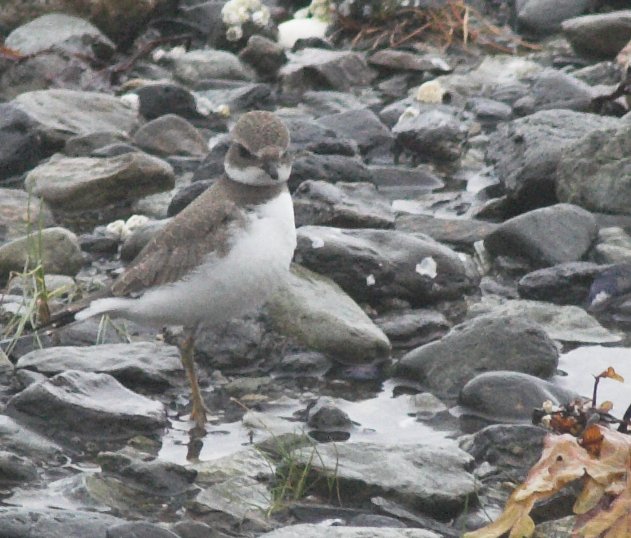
(245, 153)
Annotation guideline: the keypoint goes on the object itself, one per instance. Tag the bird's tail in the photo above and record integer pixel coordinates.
(101, 307)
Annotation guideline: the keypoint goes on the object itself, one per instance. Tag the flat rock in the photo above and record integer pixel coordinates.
(412, 328)
(373, 265)
(526, 152)
(613, 246)
(401, 60)
(140, 364)
(66, 113)
(60, 253)
(238, 97)
(195, 66)
(80, 183)
(602, 35)
(318, 313)
(331, 168)
(545, 236)
(321, 531)
(541, 17)
(479, 345)
(594, 171)
(348, 205)
(94, 406)
(21, 213)
(22, 441)
(552, 89)
(139, 529)
(363, 126)
(566, 283)
(20, 141)
(170, 134)
(404, 182)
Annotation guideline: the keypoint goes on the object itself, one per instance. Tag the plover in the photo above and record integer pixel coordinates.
(223, 254)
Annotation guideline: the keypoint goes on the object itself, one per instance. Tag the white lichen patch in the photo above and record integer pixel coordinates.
(370, 280)
(317, 242)
(427, 267)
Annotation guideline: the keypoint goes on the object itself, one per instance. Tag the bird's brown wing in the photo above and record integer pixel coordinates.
(201, 229)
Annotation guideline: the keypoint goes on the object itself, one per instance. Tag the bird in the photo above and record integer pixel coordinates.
(222, 255)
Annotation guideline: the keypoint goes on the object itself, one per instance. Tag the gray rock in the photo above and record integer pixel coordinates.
(402, 182)
(305, 134)
(489, 111)
(546, 236)
(348, 205)
(86, 145)
(602, 35)
(318, 313)
(553, 89)
(331, 168)
(22, 441)
(594, 171)
(60, 253)
(541, 17)
(21, 213)
(170, 134)
(237, 96)
(80, 183)
(493, 343)
(265, 56)
(159, 98)
(613, 246)
(325, 416)
(363, 126)
(320, 531)
(20, 141)
(402, 60)
(139, 529)
(197, 65)
(59, 30)
(140, 364)
(526, 152)
(15, 468)
(94, 406)
(319, 103)
(412, 328)
(429, 478)
(566, 283)
(374, 265)
(66, 113)
(312, 69)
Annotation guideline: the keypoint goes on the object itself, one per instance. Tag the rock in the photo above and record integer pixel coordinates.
(66, 113)
(25, 442)
(319, 69)
(326, 417)
(170, 134)
(348, 205)
(509, 396)
(553, 89)
(540, 17)
(319, 314)
(80, 183)
(20, 213)
(374, 265)
(140, 364)
(237, 96)
(479, 345)
(88, 145)
(321, 531)
(593, 172)
(403, 182)
(363, 126)
(60, 253)
(412, 328)
(309, 135)
(566, 283)
(565, 323)
(15, 469)
(319, 103)
(331, 168)
(401, 60)
(69, 33)
(195, 66)
(429, 478)
(526, 152)
(264, 56)
(93, 406)
(139, 529)
(488, 111)
(21, 522)
(556, 528)
(436, 134)
(20, 141)
(546, 236)
(613, 246)
(162, 98)
(601, 35)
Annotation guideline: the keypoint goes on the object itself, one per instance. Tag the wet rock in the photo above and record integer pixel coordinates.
(21, 213)
(363, 126)
(140, 364)
(526, 152)
(435, 134)
(348, 205)
(86, 145)
(319, 69)
(319, 103)
(566, 283)
(319, 314)
(236, 96)
(69, 33)
(170, 134)
(552, 89)
(66, 113)
(372, 265)
(139, 529)
(488, 111)
(52, 523)
(325, 416)
(432, 479)
(412, 328)
(20, 142)
(60, 252)
(546, 236)
(602, 35)
(320, 531)
(331, 168)
(195, 66)
(509, 396)
(79, 183)
(401, 60)
(403, 182)
(499, 342)
(264, 55)
(593, 172)
(565, 323)
(541, 17)
(24, 442)
(162, 98)
(613, 246)
(427, 407)
(94, 406)
(610, 288)
(197, 529)
(14, 468)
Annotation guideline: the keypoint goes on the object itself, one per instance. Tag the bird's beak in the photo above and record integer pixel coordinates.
(271, 169)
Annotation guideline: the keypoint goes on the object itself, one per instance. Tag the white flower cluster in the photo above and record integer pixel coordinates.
(321, 10)
(235, 13)
(119, 229)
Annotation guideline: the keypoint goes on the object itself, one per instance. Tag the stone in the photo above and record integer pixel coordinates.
(162, 98)
(489, 111)
(80, 183)
(402, 182)
(20, 141)
(88, 145)
(237, 96)
(348, 205)
(594, 171)
(363, 126)
(545, 236)
(613, 246)
(331, 168)
(21, 213)
(139, 364)
(412, 328)
(139, 529)
(319, 314)
(375, 265)
(195, 66)
(479, 345)
(16, 469)
(323, 102)
(540, 17)
(552, 89)
(170, 134)
(264, 55)
(601, 35)
(93, 406)
(401, 60)
(60, 253)
(526, 152)
(320, 531)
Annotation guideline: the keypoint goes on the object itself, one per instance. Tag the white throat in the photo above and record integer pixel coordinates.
(253, 175)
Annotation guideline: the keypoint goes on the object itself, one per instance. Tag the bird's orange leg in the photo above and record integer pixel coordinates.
(198, 414)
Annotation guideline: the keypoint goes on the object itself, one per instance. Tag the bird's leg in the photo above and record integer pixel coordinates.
(198, 414)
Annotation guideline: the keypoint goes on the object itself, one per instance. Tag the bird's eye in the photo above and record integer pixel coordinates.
(245, 153)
